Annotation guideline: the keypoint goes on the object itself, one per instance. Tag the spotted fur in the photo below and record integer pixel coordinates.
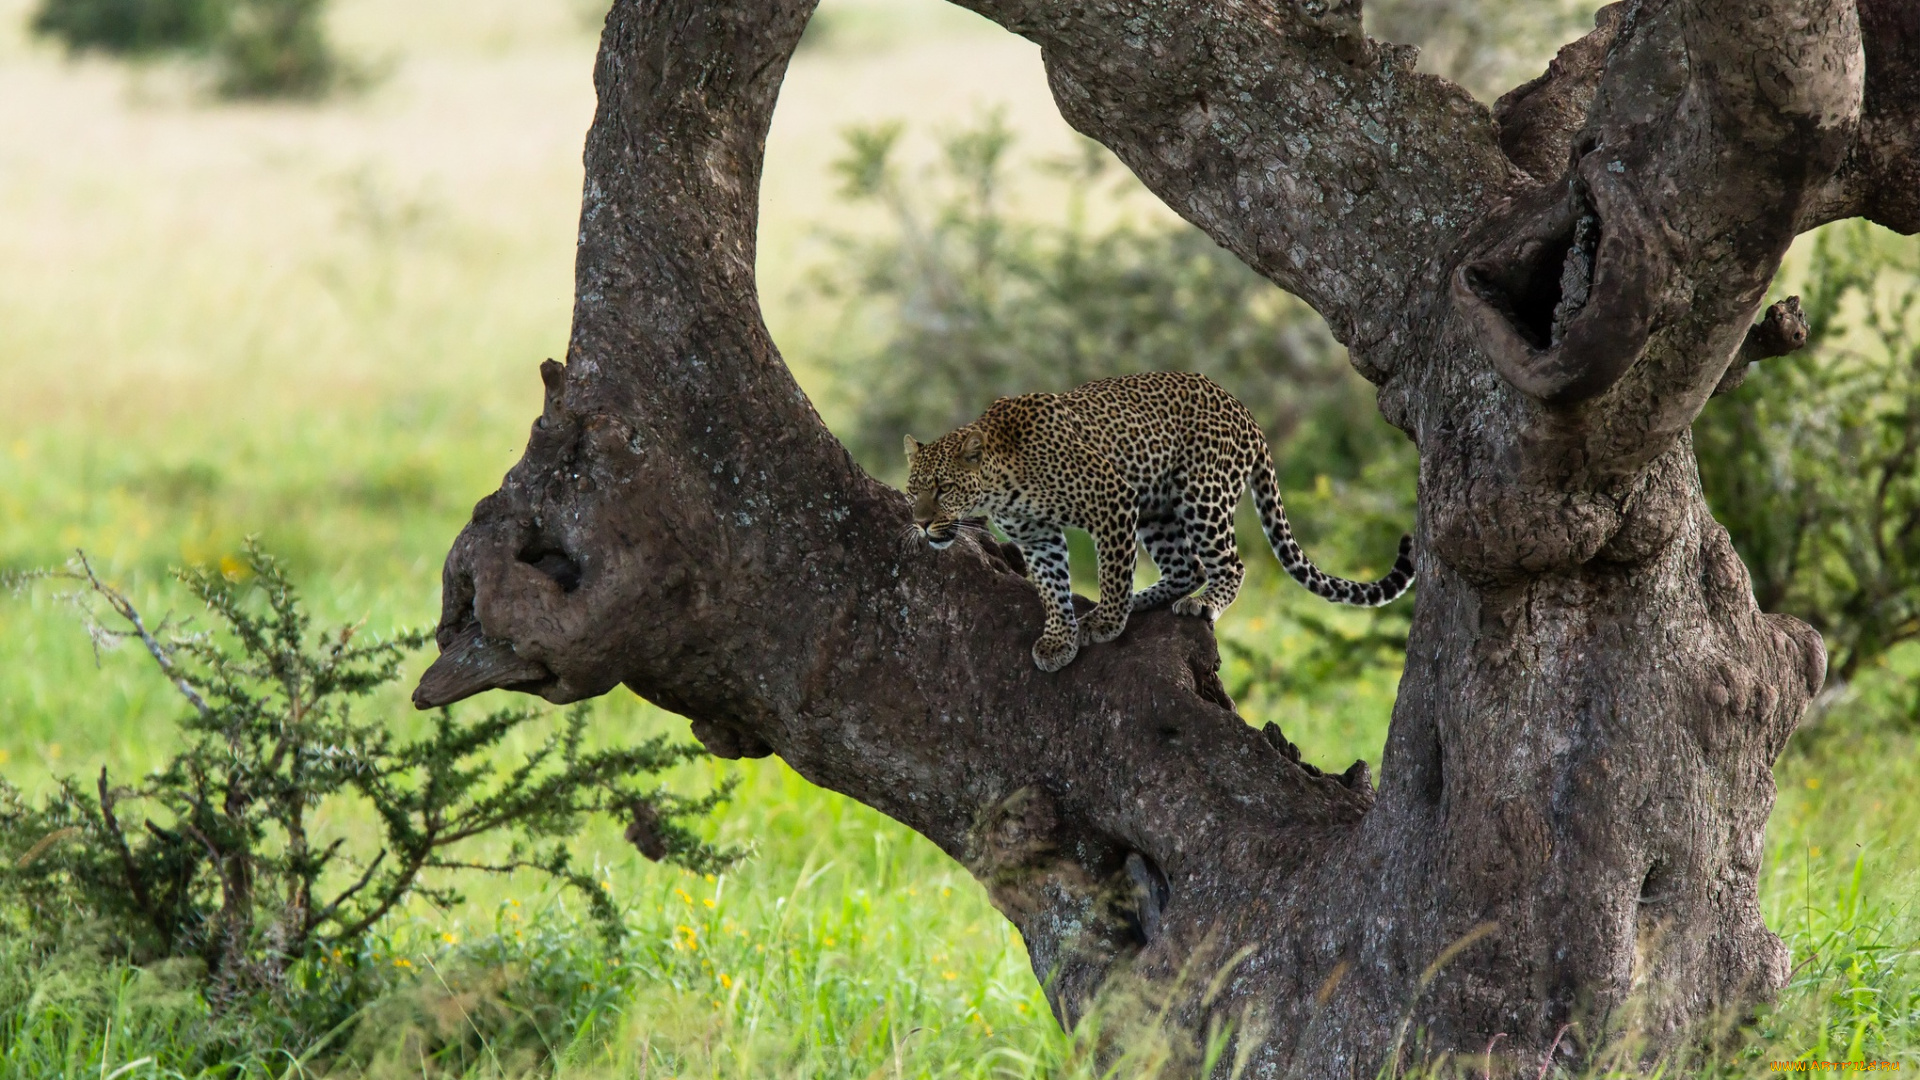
(1160, 458)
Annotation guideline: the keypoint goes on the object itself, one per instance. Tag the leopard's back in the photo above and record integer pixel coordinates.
(1158, 422)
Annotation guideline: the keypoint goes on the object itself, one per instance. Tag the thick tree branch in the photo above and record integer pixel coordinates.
(1881, 178)
(1708, 134)
(1611, 300)
(1539, 119)
(1318, 156)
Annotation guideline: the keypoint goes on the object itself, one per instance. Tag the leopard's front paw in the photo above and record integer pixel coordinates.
(1192, 605)
(1054, 653)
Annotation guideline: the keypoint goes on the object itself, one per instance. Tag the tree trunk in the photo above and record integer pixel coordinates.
(1577, 775)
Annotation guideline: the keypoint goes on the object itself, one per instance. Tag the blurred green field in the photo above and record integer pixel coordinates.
(321, 324)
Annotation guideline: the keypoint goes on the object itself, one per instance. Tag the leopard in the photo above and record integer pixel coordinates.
(1159, 460)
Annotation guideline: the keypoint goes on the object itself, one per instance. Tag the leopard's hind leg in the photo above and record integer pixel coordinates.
(1209, 533)
(1165, 538)
(1113, 542)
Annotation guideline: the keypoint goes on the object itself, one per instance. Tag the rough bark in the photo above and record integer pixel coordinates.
(1577, 773)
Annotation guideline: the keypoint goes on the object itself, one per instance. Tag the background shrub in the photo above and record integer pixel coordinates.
(276, 48)
(258, 48)
(223, 856)
(132, 27)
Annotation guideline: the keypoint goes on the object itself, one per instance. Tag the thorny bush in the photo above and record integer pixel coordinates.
(220, 855)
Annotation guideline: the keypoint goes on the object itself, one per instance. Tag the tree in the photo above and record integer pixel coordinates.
(1576, 778)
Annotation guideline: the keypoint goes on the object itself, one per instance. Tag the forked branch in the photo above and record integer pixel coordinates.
(1696, 137)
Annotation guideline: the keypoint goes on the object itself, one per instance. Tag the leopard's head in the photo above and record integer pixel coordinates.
(945, 483)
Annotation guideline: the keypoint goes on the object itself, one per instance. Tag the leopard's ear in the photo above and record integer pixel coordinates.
(972, 448)
(913, 447)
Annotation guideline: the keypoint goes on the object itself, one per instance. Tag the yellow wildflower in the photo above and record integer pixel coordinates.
(948, 975)
(1813, 783)
(708, 901)
(449, 939)
(726, 980)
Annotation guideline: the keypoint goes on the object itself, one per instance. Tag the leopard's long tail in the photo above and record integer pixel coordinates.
(1273, 520)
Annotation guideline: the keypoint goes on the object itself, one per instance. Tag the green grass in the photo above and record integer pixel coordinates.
(321, 324)
(852, 945)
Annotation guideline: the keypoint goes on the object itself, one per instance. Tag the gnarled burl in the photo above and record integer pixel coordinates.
(1577, 774)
